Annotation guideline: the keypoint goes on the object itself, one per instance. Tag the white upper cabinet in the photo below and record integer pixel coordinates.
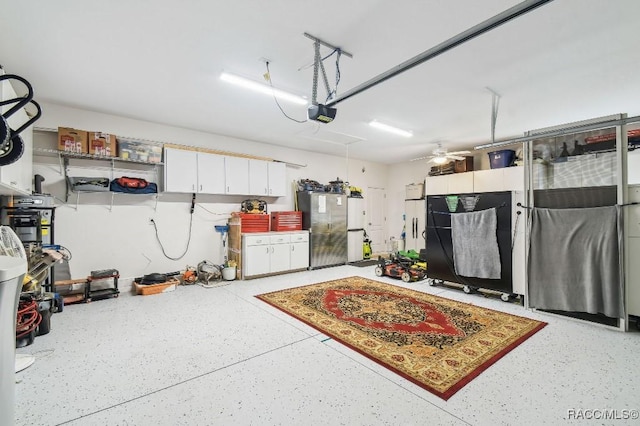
(211, 176)
(491, 180)
(258, 178)
(277, 179)
(267, 178)
(237, 175)
(208, 173)
(180, 170)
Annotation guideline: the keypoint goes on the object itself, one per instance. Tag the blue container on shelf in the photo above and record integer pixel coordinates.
(503, 158)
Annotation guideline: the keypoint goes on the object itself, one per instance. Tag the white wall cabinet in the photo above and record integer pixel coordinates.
(492, 180)
(236, 171)
(211, 176)
(436, 185)
(267, 178)
(258, 178)
(16, 178)
(180, 170)
(192, 171)
(207, 173)
(274, 252)
(277, 179)
(455, 183)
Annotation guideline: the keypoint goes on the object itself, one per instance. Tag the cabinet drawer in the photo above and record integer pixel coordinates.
(256, 240)
(280, 239)
(300, 237)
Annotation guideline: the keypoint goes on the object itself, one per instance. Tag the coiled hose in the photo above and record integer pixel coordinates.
(28, 318)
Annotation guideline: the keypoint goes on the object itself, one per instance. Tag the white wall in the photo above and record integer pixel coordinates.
(122, 237)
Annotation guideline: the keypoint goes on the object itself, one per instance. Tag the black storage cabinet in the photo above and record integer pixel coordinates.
(439, 251)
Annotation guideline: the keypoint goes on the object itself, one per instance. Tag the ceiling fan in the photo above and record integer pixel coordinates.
(441, 156)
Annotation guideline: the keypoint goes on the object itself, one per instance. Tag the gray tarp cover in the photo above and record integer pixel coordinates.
(575, 260)
(475, 244)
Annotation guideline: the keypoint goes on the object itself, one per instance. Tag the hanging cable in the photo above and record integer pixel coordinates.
(155, 227)
(268, 77)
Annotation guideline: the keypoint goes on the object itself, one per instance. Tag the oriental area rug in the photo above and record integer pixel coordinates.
(436, 343)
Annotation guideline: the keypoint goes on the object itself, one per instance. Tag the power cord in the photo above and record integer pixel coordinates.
(153, 222)
(155, 227)
(268, 77)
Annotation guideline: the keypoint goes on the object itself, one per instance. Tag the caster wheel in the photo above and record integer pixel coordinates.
(505, 297)
(379, 271)
(431, 282)
(438, 282)
(406, 277)
(467, 289)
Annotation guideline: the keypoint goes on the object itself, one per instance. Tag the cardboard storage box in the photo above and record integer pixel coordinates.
(72, 140)
(414, 191)
(102, 144)
(139, 151)
(465, 165)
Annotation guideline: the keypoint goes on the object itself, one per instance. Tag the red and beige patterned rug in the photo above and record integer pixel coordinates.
(437, 343)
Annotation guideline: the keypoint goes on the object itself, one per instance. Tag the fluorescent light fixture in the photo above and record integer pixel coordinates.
(439, 160)
(390, 129)
(262, 88)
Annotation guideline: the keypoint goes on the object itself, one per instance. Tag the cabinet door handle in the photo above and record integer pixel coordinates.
(228, 189)
(193, 186)
(267, 250)
(200, 187)
(293, 248)
(417, 227)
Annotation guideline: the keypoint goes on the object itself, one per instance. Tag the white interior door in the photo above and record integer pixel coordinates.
(376, 219)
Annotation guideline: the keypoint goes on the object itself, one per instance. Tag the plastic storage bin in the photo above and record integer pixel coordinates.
(503, 158)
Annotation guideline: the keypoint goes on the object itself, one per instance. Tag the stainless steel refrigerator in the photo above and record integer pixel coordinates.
(325, 216)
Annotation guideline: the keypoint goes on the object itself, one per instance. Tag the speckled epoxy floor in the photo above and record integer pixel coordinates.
(222, 357)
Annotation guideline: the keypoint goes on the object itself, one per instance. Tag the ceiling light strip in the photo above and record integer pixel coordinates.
(381, 126)
(262, 88)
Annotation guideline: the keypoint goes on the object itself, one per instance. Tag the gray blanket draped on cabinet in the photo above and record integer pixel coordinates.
(575, 260)
(475, 244)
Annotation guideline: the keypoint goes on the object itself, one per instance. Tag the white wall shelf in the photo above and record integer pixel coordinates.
(65, 166)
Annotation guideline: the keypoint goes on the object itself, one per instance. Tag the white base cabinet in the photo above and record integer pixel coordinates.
(266, 253)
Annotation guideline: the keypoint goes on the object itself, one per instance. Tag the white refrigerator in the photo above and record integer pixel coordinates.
(355, 228)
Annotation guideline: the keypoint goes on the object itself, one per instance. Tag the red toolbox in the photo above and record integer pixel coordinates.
(286, 221)
(253, 222)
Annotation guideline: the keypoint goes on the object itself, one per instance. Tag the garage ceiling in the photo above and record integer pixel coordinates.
(160, 61)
